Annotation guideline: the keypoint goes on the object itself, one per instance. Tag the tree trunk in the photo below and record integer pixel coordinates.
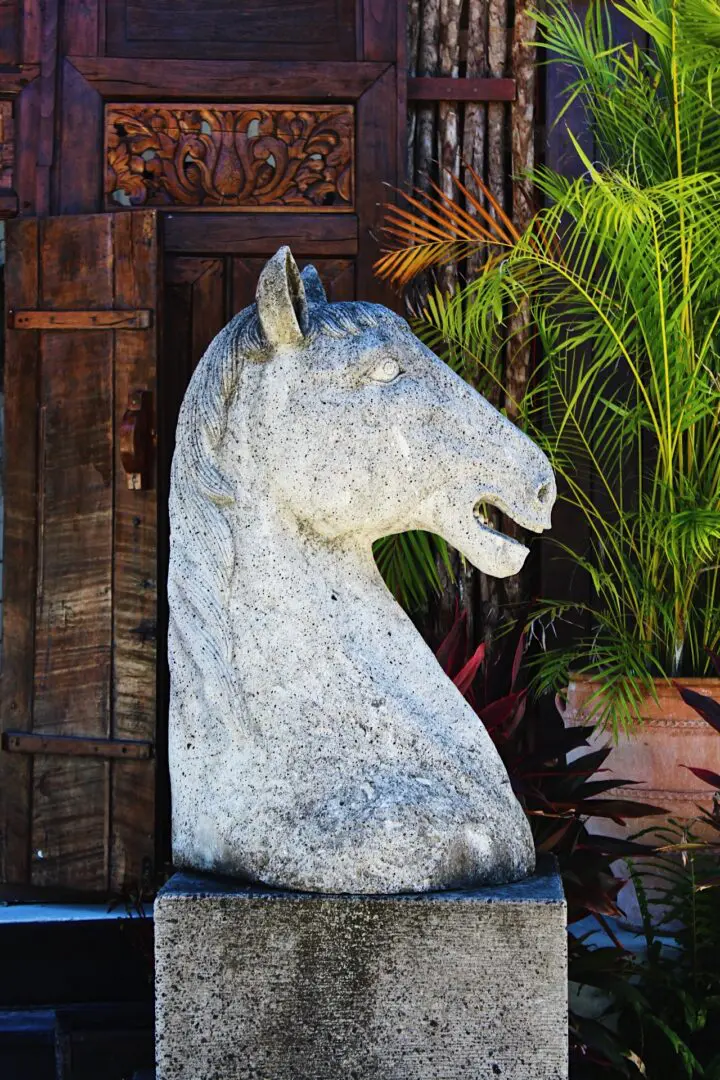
(427, 65)
(522, 129)
(413, 44)
(474, 151)
(448, 116)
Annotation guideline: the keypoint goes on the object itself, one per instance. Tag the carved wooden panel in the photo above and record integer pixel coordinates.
(7, 146)
(249, 157)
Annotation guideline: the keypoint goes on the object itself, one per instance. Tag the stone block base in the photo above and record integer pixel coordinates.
(268, 985)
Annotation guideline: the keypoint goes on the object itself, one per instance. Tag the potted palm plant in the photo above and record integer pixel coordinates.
(619, 277)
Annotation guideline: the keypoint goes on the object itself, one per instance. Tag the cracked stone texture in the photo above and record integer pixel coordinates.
(315, 743)
(294, 986)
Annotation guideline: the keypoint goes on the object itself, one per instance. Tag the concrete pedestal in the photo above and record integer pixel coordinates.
(268, 985)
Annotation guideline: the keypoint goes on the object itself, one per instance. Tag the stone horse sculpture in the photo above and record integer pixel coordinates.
(315, 743)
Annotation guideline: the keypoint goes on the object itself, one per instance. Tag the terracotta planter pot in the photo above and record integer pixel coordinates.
(671, 735)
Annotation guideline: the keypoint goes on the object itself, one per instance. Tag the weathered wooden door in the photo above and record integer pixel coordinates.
(77, 771)
(243, 125)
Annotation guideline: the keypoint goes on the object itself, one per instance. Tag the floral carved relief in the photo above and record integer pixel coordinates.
(251, 157)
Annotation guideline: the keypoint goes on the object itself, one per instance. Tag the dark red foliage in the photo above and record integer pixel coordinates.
(559, 796)
(703, 706)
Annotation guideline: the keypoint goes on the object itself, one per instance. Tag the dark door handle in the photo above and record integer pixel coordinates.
(137, 440)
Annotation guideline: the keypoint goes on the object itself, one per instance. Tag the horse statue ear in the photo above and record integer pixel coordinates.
(281, 302)
(314, 289)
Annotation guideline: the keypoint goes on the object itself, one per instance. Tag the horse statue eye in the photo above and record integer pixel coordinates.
(386, 372)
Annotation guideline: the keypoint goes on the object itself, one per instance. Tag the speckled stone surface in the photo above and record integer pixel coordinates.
(258, 984)
(314, 742)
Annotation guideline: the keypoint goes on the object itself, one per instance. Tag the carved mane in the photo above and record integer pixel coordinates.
(202, 560)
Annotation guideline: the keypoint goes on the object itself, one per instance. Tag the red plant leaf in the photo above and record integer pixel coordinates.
(497, 713)
(706, 775)
(706, 707)
(517, 660)
(466, 676)
(450, 650)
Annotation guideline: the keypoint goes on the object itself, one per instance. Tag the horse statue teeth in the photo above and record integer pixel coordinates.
(315, 743)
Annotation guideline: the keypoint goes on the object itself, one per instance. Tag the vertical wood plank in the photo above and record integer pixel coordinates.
(10, 31)
(208, 307)
(31, 24)
(80, 27)
(45, 135)
(134, 564)
(79, 168)
(27, 113)
(74, 601)
(376, 167)
(379, 30)
(20, 548)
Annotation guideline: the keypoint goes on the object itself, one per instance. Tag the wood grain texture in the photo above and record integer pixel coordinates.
(31, 31)
(288, 157)
(134, 619)
(271, 29)
(7, 146)
(79, 171)
(13, 80)
(92, 577)
(380, 30)
(70, 818)
(81, 25)
(70, 823)
(45, 135)
(118, 78)
(10, 31)
(455, 89)
(377, 167)
(27, 112)
(261, 234)
(20, 549)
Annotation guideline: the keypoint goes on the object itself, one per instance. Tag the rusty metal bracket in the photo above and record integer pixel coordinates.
(27, 742)
(140, 319)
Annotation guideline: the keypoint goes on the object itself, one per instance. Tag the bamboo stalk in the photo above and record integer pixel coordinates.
(523, 159)
(427, 65)
(448, 115)
(497, 61)
(413, 45)
(475, 112)
(522, 135)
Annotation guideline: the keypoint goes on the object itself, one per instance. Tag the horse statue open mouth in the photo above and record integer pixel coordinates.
(315, 743)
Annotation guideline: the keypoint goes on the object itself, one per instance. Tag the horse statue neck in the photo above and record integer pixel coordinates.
(295, 595)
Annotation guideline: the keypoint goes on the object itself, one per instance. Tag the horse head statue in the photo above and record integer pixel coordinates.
(315, 743)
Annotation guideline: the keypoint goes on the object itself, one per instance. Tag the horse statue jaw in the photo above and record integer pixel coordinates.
(315, 742)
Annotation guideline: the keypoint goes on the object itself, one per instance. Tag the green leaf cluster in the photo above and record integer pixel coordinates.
(620, 275)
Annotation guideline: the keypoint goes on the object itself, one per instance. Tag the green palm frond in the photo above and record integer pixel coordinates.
(408, 563)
